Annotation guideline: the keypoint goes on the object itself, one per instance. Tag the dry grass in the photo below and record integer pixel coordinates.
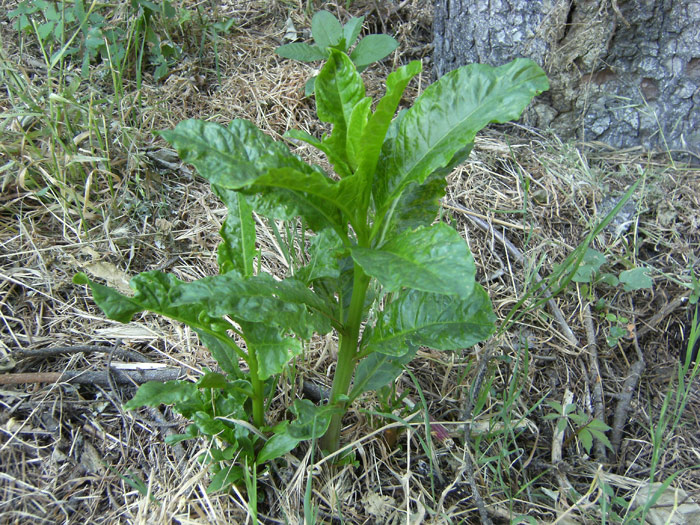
(69, 453)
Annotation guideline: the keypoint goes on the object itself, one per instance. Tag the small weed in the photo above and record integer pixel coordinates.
(584, 427)
(329, 34)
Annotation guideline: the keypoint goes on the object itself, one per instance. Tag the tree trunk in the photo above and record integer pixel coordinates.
(624, 72)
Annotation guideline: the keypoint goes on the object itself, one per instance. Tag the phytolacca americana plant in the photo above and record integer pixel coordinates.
(329, 34)
(369, 254)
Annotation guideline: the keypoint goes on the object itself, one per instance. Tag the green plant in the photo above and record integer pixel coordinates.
(53, 22)
(152, 39)
(590, 274)
(618, 328)
(211, 32)
(366, 257)
(585, 428)
(328, 34)
(664, 425)
(695, 288)
(70, 30)
(50, 152)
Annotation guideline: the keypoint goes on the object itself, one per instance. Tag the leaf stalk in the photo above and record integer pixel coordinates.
(258, 385)
(347, 358)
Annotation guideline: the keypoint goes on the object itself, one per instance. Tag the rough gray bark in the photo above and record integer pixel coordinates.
(622, 72)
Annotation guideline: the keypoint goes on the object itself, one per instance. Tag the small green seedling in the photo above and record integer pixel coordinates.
(618, 328)
(367, 257)
(590, 273)
(329, 34)
(584, 427)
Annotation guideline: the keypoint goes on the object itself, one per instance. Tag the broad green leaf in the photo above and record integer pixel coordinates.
(319, 192)
(339, 165)
(154, 292)
(338, 89)
(310, 86)
(352, 29)
(277, 446)
(191, 433)
(302, 52)
(300, 134)
(323, 251)
(372, 48)
(227, 476)
(369, 147)
(240, 389)
(258, 299)
(337, 292)
(211, 426)
(561, 425)
(231, 404)
(636, 279)
(326, 29)
(378, 370)
(446, 117)
(586, 439)
(237, 250)
(601, 437)
(441, 322)
(221, 352)
(432, 259)
(418, 205)
(311, 421)
(277, 202)
(238, 156)
(356, 126)
(556, 406)
(232, 157)
(212, 380)
(155, 393)
(597, 424)
(272, 348)
(592, 261)
(115, 305)
(609, 279)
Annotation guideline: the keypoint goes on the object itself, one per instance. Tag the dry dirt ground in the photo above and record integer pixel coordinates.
(69, 453)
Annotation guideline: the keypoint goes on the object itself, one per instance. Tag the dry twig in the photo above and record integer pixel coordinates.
(121, 353)
(623, 403)
(125, 374)
(557, 448)
(594, 373)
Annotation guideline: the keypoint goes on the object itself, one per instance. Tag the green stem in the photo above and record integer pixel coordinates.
(258, 390)
(347, 357)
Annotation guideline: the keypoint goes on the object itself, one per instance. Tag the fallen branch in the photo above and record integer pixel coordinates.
(122, 373)
(557, 449)
(625, 399)
(667, 310)
(121, 353)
